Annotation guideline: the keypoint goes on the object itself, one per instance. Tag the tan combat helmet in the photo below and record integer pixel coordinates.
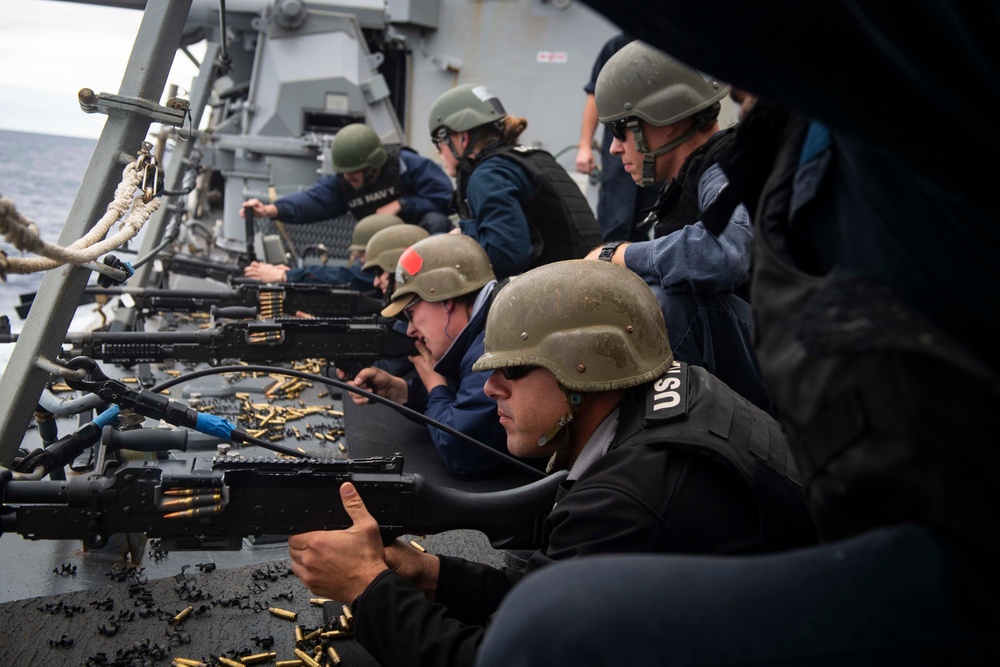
(356, 147)
(596, 326)
(385, 247)
(438, 268)
(368, 226)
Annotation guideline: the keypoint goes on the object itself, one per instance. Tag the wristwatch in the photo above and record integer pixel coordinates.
(608, 250)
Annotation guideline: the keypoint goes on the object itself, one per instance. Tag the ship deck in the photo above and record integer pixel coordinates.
(62, 604)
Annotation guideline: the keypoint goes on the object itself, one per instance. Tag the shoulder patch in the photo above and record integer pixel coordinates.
(667, 397)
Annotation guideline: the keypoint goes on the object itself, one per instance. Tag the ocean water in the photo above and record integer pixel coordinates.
(41, 173)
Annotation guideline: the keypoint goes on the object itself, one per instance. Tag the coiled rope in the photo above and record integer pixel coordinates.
(23, 234)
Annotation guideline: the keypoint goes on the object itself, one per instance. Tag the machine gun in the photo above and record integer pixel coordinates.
(212, 504)
(346, 341)
(186, 265)
(254, 300)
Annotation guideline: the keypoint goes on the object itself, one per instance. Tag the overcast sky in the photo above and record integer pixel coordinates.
(50, 49)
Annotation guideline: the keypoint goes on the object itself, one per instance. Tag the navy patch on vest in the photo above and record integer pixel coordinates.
(667, 397)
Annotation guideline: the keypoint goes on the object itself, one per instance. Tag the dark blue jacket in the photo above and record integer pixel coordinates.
(426, 189)
(693, 275)
(351, 276)
(462, 404)
(495, 192)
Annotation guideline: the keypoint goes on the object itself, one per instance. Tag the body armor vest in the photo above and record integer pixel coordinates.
(387, 187)
(561, 222)
(677, 203)
(689, 408)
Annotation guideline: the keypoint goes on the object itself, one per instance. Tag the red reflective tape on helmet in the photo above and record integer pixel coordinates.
(410, 261)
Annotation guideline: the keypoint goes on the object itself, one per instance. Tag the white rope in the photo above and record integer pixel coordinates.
(61, 371)
(24, 235)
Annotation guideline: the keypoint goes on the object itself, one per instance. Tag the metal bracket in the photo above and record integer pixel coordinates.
(374, 89)
(92, 102)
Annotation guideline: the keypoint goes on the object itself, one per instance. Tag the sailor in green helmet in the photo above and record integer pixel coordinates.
(381, 256)
(662, 458)
(515, 200)
(444, 288)
(371, 179)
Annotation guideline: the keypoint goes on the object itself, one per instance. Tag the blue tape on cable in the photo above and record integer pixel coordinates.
(212, 425)
(108, 418)
(131, 271)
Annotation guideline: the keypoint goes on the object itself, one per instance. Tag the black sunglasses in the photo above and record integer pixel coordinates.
(516, 372)
(618, 127)
(439, 136)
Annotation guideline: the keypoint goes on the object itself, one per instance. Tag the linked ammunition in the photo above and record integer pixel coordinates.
(283, 613)
(191, 501)
(197, 511)
(181, 492)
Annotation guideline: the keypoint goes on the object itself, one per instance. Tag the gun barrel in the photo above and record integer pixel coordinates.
(334, 339)
(240, 497)
(272, 300)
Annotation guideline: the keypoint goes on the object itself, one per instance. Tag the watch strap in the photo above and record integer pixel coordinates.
(608, 250)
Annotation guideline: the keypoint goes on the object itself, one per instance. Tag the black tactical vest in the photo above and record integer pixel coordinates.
(388, 187)
(691, 409)
(889, 419)
(561, 222)
(677, 203)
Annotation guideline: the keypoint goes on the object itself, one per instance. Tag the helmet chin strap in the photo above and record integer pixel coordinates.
(574, 399)
(648, 156)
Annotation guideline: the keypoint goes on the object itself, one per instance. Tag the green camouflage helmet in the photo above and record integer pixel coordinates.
(356, 147)
(595, 325)
(463, 108)
(438, 268)
(368, 226)
(385, 247)
(646, 83)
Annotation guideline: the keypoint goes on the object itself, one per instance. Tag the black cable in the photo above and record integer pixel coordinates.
(170, 235)
(224, 62)
(402, 409)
